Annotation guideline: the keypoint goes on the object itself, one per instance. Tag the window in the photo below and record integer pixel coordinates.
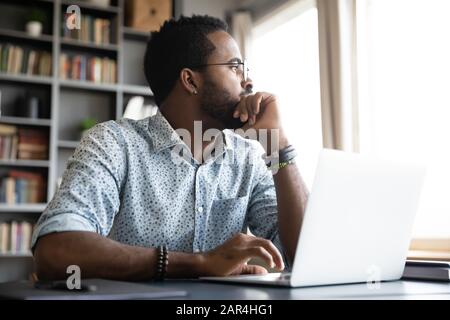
(405, 97)
(285, 62)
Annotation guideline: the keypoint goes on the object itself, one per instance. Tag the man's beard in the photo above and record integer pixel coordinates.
(220, 105)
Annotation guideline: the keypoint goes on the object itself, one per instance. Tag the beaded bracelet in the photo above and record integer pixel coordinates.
(285, 155)
(281, 165)
(162, 262)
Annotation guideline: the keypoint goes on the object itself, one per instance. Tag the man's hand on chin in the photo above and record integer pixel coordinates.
(261, 111)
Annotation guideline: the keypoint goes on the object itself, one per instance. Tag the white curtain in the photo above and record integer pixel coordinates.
(337, 47)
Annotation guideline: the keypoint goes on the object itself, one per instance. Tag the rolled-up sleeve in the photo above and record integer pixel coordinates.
(89, 195)
(262, 218)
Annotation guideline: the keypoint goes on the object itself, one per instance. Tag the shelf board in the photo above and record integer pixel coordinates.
(47, 3)
(17, 34)
(67, 42)
(22, 207)
(25, 121)
(68, 144)
(130, 33)
(25, 163)
(88, 85)
(16, 255)
(135, 89)
(92, 7)
(25, 78)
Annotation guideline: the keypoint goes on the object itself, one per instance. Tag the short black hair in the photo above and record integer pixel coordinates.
(179, 44)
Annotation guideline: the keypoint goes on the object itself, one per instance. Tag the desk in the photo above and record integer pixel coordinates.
(388, 290)
(201, 290)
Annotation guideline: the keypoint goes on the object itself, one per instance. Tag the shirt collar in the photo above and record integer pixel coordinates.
(164, 136)
(162, 133)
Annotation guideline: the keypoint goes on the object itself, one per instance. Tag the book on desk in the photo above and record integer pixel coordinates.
(427, 270)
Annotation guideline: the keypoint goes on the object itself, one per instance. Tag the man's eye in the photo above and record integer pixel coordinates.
(235, 67)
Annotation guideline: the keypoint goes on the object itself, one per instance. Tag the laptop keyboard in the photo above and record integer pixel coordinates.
(285, 276)
(269, 276)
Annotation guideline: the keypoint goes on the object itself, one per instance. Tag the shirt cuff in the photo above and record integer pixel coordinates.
(62, 222)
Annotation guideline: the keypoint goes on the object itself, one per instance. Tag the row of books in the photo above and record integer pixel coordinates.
(92, 29)
(22, 187)
(87, 68)
(18, 60)
(15, 237)
(23, 143)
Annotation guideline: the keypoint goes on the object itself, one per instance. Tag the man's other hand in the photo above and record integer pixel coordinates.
(231, 257)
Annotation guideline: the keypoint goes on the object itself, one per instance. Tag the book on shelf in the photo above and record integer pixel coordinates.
(23, 143)
(87, 68)
(22, 187)
(15, 237)
(18, 60)
(32, 144)
(8, 142)
(92, 29)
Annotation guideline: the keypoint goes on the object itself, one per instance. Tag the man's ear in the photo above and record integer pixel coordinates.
(189, 80)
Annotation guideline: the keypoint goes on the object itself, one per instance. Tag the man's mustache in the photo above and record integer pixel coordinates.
(248, 90)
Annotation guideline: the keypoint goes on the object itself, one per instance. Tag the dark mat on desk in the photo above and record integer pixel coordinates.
(104, 290)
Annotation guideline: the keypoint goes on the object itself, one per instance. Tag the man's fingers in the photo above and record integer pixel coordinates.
(248, 110)
(256, 103)
(272, 250)
(249, 107)
(262, 248)
(260, 252)
(240, 109)
(243, 114)
(255, 107)
(253, 269)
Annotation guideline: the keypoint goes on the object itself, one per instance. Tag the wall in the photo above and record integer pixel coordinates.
(216, 8)
(220, 8)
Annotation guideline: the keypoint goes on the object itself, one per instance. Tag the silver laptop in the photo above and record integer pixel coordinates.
(357, 225)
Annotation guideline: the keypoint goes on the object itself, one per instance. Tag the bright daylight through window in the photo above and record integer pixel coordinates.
(285, 61)
(405, 98)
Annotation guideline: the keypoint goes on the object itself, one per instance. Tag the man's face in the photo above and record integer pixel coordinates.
(223, 85)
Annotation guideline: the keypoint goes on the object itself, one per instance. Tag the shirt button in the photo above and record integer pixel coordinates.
(200, 209)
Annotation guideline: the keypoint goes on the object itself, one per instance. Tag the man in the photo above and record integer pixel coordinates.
(130, 207)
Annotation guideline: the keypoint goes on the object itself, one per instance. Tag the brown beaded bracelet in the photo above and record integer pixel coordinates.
(162, 262)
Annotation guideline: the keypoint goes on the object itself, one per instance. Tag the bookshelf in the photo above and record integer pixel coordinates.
(64, 103)
(16, 255)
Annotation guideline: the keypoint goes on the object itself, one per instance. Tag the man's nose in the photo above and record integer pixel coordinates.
(247, 85)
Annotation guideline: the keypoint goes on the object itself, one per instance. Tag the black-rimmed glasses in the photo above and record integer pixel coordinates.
(242, 67)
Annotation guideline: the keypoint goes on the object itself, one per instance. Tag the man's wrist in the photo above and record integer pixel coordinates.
(283, 141)
(270, 146)
(199, 264)
(184, 264)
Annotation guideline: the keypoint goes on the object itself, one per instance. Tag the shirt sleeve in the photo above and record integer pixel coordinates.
(88, 197)
(262, 215)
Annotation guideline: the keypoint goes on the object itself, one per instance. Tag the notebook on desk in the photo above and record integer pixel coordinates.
(104, 290)
(427, 270)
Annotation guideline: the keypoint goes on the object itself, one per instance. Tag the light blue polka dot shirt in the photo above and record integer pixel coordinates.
(125, 181)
